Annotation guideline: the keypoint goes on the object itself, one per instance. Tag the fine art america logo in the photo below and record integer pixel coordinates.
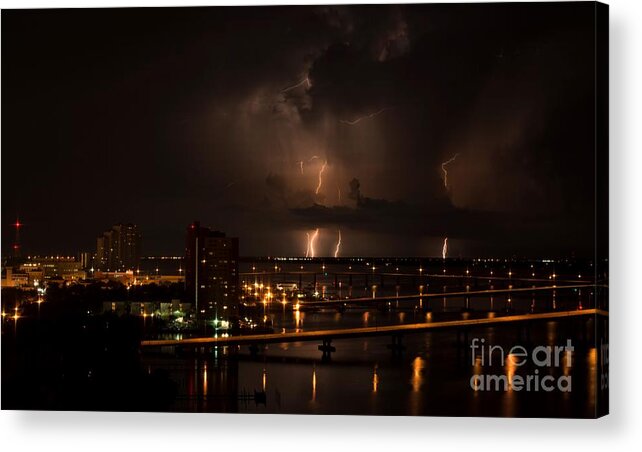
(540, 361)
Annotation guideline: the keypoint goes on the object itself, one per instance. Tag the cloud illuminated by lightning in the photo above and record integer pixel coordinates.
(307, 250)
(325, 164)
(444, 249)
(338, 247)
(443, 168)
(361, 118)
(302, 162)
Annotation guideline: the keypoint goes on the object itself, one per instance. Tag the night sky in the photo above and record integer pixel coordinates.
(227, 115)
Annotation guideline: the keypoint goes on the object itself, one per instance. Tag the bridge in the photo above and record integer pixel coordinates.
(395, 331)
(397, 276)
(406, 298)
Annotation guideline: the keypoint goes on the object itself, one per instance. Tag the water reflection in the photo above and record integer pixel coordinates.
(354, 375)
(205, 378)
(417, 379)
(592, 375)
(511, 364)
(375, 379)
(510, 367)
(551, 333)
(298, 320)
(477, 370)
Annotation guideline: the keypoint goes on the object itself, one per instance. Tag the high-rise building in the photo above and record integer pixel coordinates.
(118, 248)
(211, 272)
(100, 259)
(84, 257)
(129, 240)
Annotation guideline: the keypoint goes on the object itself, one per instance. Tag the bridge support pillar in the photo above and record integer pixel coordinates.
(463, 348)
(232, 351)
(327, 349)
(462, 338)
(466, 307)
(524, 333)
(396, 346)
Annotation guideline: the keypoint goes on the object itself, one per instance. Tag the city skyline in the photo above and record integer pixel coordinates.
(93, 254)
(389, 127)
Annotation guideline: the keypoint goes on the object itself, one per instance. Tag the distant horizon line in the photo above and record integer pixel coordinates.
(329, 258)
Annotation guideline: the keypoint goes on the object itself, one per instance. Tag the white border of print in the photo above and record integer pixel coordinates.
(53, 431)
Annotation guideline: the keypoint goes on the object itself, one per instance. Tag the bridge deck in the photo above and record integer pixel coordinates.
(390, 330)
(476, 293)
(407, 275)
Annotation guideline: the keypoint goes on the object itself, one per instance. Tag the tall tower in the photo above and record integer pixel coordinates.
(16, 241)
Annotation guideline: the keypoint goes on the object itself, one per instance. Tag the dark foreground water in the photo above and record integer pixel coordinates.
(431, 377)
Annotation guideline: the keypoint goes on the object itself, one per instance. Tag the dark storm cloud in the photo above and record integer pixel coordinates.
(160, 116)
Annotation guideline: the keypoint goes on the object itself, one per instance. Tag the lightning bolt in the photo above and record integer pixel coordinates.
(309, 252)
(313, 239)
(361, 118)
(338, 247)
(443, 168)
(339, 193)
(325, 164)
(444, 249)
(301, 162)
(304, 81)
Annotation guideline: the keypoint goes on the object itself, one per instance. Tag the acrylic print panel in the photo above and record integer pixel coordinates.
(370, 210)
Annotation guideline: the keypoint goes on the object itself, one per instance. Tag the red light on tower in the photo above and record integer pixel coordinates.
(16, 243)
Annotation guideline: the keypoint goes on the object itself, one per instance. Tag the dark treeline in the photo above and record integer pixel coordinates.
(66, 354)
(114, 291)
